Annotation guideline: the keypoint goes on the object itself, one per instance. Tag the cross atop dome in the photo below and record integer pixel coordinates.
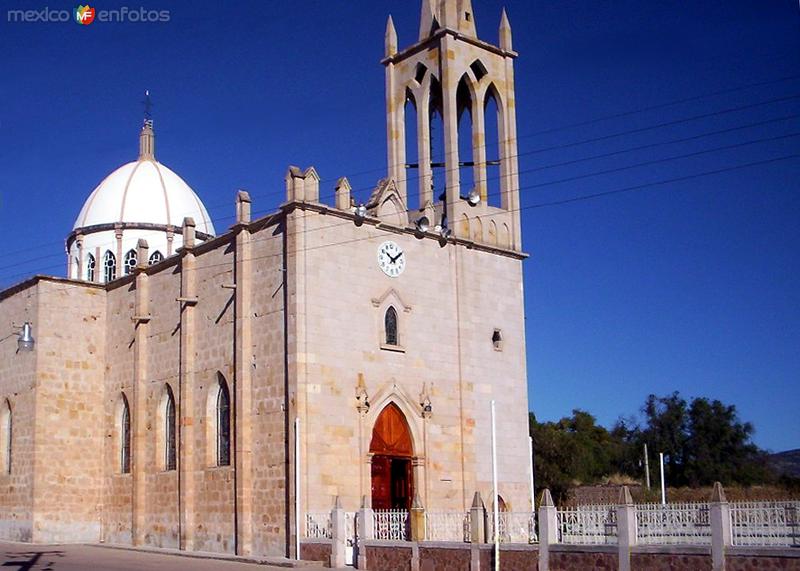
(147, 138)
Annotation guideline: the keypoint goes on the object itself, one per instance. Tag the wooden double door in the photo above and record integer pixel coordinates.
(392, 469)
(392, 483)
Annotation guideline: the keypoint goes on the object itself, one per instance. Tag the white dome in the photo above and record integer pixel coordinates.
(139, 200)
(144, 192)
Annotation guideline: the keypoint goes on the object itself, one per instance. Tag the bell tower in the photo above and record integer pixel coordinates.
(447, 73)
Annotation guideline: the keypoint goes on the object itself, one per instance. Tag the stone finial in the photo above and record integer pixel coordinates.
(427, 18)
(365, 503)
(477, 501)
(337, 502)
(390, 39)
(147, 142)
(302, 185)
(342, 192)
(311, 184)
(142, 254)
(718, 494)
(242, 207)
(188, 232)
(505, 33)
(546, 499)
(294, 184)
(625, 497)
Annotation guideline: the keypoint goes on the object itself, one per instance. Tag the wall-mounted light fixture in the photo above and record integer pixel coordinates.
(443, 231)
(422, 224)
(360, 211)
(473, 198)
(25, 340)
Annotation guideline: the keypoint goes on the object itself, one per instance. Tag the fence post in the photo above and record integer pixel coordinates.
(720, 516)
(417, 519)
(366, 530)
(477, 520)
(626, 528)
(338, 535)
(548, 529)
(477, 530)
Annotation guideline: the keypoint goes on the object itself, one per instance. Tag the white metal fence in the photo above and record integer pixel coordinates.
(318, 525)
(515, 527)
(772, 523)
(391, 524)
(681, 523)
(765, 523)
(447, 526)
(588, 525)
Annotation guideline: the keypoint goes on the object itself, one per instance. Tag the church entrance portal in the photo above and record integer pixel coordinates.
(392, 471)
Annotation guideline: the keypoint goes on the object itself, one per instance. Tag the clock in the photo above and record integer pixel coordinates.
(391, 259)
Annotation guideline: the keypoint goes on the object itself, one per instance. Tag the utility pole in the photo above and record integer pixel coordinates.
(646, 468)
(663, 484)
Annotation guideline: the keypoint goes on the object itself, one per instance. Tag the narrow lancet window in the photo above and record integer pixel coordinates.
(390, 325)
(5, 437)
(125, 438)
(223, 425)
(169, 432)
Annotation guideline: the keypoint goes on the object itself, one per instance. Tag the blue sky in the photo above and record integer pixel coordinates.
(691, 285)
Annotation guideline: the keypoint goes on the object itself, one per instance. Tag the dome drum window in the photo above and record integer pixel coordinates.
(109, 267)
(91, 265)
(155, 258)
(130, 262)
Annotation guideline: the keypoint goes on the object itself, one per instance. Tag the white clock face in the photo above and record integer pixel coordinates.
(391, 259)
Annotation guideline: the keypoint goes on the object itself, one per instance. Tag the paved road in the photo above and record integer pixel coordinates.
(26, 557)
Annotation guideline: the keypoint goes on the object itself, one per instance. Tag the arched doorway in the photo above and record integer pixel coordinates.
(392, 471)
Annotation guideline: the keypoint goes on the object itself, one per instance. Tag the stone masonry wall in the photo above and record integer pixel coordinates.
(449, 300)
(17, 382)
(69, 415)
(269, 398)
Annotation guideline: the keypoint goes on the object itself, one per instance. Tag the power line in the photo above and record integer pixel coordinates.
(587, 175)
(218, 219)
(566, 145)
(575, 199)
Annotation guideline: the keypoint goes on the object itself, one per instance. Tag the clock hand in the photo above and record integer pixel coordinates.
(396, 257)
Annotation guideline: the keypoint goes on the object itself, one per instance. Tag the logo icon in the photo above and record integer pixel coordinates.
(84, 15)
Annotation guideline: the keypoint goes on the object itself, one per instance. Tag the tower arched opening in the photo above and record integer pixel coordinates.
(492, 130)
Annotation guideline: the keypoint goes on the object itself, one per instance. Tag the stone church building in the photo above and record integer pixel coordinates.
(176, 369)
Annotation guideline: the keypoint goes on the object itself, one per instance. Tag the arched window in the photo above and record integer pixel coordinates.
(125, 438)
(390, 326)
(91, 264)
(109, 266)
(130, 262)
(5, 437)
(155, 258)
(223, 424)
(170, 460)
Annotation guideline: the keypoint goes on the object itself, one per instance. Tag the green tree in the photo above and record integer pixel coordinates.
(719, 447)
(573, 450)
(665, 430)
